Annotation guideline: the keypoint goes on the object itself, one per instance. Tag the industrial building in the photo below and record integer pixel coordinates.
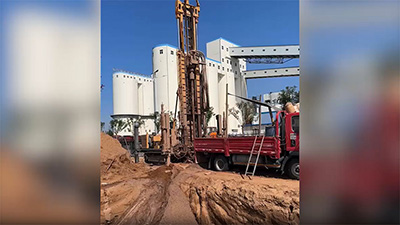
(133, 98)
(136, 95)
(221, 70)
(272, 98)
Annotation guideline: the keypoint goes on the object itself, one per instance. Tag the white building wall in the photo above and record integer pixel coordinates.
(148, 127)
(229, 73)
(234, 122)
(213, 50)
(213, 87)
(221, 92)
(272, 98)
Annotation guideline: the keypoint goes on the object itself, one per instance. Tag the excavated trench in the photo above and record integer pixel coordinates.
(185, 194)
(150, 205)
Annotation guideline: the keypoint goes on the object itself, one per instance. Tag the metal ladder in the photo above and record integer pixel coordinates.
(251, 155)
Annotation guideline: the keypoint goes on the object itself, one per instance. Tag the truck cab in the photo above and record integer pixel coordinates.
(288, 131)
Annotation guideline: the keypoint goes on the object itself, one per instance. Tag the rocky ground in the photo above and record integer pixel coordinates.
(188, 194)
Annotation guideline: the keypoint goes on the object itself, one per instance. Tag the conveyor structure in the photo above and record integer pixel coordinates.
(268, 55)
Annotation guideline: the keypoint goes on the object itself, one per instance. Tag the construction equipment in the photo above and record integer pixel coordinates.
(188, 141)
(279, 146)
(192, 93)
(192, 81)
(277, 151)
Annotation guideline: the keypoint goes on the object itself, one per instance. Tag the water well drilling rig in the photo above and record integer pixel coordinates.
(192, 93)
(192, 80)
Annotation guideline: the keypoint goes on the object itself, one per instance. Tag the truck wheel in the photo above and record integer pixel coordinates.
(220, 163)
(293, 169)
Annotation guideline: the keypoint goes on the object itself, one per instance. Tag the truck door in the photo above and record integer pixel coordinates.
(292, 132)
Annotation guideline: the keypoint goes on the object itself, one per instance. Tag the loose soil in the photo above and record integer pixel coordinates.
(188, 194)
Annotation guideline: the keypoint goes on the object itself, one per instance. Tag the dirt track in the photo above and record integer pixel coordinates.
(187, 194)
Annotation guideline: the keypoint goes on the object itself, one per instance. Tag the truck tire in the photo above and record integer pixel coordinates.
(293, 168)
(220, 163)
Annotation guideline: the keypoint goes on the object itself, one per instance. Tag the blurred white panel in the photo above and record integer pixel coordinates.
(51, 112)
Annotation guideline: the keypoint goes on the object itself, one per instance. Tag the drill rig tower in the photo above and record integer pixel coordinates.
(192, 80)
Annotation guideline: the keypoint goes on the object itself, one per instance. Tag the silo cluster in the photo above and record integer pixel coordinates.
(144, 95)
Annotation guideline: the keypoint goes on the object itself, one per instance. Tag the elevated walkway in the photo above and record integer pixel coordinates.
(266, 54)
(269, 73)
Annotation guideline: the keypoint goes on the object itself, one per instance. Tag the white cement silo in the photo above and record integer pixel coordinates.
(125, 91)
(147, 107)
(166, 78)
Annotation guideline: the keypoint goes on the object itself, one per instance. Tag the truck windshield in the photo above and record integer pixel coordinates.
(295, 124)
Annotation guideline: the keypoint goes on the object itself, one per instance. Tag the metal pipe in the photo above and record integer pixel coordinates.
(271, 116)
(226, 111)
(179, 33)
(136, 149)
(259, 118)
(219, 127)
(256, 102)
(176, 104)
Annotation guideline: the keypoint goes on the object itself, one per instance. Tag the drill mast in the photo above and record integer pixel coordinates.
(192, 80)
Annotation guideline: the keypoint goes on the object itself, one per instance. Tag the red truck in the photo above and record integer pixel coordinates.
(279, 149)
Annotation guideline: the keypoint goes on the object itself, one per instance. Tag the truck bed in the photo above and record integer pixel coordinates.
(238, 145)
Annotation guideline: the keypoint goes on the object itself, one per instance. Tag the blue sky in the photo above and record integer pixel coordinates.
(130, 29)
